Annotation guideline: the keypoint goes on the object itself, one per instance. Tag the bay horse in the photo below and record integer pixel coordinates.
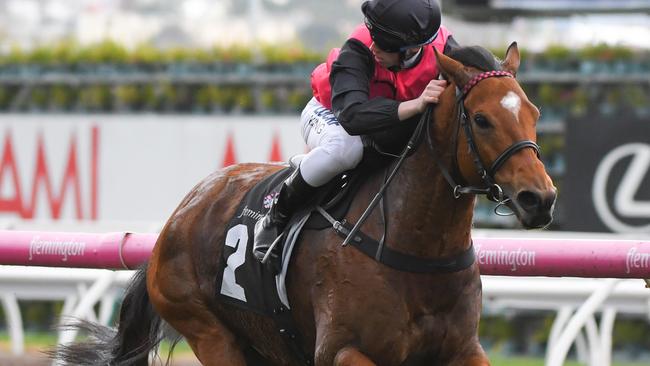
(350, 309)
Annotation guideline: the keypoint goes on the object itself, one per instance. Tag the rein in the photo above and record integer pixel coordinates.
(412, 144)
(491, 189)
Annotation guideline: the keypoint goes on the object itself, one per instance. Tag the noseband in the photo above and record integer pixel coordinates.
(491, 189)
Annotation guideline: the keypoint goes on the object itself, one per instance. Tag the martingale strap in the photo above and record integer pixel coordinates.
(398, 260)
(406, 262)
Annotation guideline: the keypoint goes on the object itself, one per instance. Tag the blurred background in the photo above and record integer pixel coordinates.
(111, 110)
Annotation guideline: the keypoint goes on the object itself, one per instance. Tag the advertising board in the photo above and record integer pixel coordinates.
(112, 167)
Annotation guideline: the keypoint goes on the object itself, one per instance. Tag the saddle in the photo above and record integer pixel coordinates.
(244, 281)
(335, 197)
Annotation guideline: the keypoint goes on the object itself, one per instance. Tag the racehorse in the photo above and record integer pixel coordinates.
(349, 308)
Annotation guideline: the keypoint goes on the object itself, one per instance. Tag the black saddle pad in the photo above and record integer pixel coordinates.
(243, 281)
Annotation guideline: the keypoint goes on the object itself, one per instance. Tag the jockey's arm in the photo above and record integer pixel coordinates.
(416, 106)
(350, 79)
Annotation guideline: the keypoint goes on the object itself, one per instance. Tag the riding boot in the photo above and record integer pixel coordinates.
(292, 196)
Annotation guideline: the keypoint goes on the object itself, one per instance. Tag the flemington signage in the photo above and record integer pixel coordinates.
(607, 179)
(636, 260)
(514, 259)
(62, 248)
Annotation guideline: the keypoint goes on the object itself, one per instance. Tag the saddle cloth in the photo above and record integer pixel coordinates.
(245, 282)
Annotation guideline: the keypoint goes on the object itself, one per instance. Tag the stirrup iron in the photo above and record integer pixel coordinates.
(270, 249)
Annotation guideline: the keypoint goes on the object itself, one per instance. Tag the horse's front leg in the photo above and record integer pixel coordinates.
(473, 361)
(340, 354)
(477, 358)
(333, 348)
(349, 356)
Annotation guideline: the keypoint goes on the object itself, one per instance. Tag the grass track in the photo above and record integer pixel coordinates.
(36, 342)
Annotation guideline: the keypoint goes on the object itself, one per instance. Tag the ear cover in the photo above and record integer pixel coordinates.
(453, 70)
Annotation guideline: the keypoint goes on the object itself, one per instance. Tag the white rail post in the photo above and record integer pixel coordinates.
(14, 323)
(94, 294)
(593, 341)
(582, 348)
(562, 317)
(606, 329)
(561, 348)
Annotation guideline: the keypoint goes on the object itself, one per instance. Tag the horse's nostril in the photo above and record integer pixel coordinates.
(528, 200)
(549, 200)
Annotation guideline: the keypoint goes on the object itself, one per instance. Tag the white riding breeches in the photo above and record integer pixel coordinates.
(333, 150)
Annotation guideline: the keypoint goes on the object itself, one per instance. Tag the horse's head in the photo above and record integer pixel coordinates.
(495, 126)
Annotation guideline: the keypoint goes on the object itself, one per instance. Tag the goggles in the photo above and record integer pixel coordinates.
(377, 30)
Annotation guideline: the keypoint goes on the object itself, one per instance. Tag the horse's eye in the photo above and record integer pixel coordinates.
(481, 121)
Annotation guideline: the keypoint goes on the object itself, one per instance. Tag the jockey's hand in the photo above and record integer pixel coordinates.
(431, 93)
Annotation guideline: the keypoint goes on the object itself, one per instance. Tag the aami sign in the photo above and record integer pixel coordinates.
(125, 168)
(49, 179)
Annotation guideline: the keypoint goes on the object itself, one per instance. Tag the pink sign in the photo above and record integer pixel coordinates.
(507, 257)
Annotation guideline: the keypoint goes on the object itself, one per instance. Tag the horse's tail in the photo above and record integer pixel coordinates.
(137, 334)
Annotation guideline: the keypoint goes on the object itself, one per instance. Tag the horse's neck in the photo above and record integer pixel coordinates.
(424, 217)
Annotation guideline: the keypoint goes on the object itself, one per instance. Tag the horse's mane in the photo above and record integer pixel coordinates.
(477, 57)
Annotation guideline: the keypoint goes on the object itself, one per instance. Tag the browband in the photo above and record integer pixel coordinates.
(482, 76)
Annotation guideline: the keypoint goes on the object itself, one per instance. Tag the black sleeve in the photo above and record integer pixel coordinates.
(350, 80)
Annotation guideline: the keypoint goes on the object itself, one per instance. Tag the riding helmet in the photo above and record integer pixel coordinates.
(396, 25)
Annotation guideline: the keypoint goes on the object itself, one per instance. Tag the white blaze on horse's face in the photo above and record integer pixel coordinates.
(512, 102)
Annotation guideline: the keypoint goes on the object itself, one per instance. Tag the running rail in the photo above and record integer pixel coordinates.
(120, 250)
(496, 256)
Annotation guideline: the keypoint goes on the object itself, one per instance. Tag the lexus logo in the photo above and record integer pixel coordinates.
(623, 204)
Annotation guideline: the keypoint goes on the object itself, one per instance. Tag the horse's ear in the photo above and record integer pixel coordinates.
(453, 70)
(511, 63)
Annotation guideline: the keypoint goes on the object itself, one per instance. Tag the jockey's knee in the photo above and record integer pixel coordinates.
(325, 162)
(346, 152)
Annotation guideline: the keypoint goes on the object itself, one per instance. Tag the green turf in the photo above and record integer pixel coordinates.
(498, 360)
(35, 341)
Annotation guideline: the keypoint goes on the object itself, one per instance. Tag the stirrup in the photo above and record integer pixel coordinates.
(269, 250)
(263, 250)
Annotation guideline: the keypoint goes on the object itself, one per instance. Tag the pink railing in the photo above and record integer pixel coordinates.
(78, 250)
(510, 257)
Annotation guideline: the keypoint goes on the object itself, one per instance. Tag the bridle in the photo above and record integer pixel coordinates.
(491, 189)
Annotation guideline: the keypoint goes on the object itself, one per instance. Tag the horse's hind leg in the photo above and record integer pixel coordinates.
(181, 306)
(352, 357)
(212, 343)
(216, 347)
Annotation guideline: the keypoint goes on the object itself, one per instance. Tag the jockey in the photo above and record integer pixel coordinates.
(374, 87)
